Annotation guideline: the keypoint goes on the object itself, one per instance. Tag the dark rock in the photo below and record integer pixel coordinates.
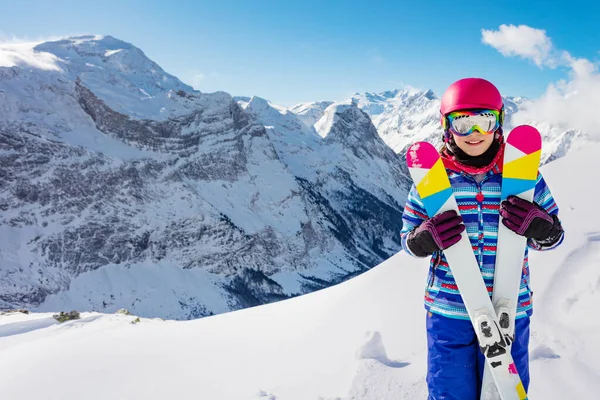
(62, 317)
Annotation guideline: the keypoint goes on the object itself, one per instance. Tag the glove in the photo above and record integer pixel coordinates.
(530, 220)
(437, 233)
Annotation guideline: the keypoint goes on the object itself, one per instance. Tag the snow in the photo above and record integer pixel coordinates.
(119, 73)
(361, 339)
(310, 113)
(147, 287)
(324, 124)
(47, 102)
(109, 53)
(402, 116)
(21, 54)
(305, 152)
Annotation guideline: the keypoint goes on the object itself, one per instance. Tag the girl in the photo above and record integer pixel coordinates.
(472, 115)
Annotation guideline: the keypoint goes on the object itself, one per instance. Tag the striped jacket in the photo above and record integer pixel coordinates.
(479, 204)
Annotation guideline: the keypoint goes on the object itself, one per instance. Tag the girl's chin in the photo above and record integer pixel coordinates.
(474, 151)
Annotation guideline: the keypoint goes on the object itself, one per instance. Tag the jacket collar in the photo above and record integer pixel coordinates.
(451, 163)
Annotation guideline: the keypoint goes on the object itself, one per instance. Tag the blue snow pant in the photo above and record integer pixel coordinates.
(455, 363)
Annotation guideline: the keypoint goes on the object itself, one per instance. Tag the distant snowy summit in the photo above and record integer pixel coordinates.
(117, 72)
(403, 116)
(310, 113)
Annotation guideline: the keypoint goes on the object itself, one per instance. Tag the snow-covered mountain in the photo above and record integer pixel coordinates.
(405, 116)
(310, 113)
(123, 187)
(343, 160)
(363, 339)
(120, 75)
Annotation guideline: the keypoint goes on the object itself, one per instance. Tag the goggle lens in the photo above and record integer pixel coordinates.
(463, 123)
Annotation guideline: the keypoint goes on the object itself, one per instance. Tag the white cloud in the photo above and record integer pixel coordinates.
(570, 103)
(523, 41)
(197, 80)
(18, 52)
(580, 67)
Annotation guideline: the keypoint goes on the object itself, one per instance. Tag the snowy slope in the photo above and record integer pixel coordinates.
(362, 339)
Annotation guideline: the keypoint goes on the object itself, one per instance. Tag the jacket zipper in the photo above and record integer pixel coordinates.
(480, 219)
(480, 234)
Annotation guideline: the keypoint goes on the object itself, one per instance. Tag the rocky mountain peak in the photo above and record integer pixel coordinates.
(346, 123)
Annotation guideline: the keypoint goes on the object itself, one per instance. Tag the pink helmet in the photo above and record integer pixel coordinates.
(471, 93)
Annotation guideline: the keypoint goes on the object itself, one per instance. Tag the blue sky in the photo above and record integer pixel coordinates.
(297, 51)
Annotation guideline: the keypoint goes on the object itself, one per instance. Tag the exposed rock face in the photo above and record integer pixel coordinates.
(67, 316)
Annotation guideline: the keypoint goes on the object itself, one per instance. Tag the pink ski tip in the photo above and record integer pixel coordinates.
(422, 155)
(525, 138)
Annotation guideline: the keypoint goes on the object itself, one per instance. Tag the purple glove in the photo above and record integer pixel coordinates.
(530, 220)
(437, 233)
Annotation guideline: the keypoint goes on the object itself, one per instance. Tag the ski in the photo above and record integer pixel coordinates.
(429, 175)
(522, 155)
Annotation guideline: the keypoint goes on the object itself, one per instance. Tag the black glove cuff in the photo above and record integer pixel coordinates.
(554, 235)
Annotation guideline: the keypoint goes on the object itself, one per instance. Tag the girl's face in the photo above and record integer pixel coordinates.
(474, 144)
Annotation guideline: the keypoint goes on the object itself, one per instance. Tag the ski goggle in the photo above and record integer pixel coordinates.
(463, 123)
